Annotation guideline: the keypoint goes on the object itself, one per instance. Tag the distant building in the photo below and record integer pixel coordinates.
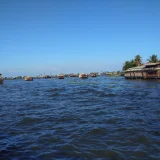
(146, 71)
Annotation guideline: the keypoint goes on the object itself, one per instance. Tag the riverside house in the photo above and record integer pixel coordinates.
(146, 71)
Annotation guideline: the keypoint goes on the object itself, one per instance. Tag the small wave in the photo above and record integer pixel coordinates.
(99, 113)
(112, 83)
(87, 91)
(30, 120)
(113, 86)
(108, 95)
(68, 148)
(68, 118)
(142, 139)
(54, 95)
(140, 154)
(97, 131)
(48, 138)
(128, 108)
(109, 154)
(55, 89)
(114, 120)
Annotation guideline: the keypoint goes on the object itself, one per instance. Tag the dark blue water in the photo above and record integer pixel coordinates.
(97, 118)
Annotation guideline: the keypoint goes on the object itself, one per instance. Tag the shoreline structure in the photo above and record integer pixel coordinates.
(92, 74)
(146, 71)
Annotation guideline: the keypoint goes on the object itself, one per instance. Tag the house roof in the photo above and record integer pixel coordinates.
(151, 64)
(143, 68)
(135, 68)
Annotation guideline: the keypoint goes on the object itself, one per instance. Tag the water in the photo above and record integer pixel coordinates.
(96, 118)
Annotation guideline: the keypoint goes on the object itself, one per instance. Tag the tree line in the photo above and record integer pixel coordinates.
(137, 61)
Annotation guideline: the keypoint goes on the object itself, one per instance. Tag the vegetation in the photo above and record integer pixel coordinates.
(129, 64)
(137, 61)
(153, 59)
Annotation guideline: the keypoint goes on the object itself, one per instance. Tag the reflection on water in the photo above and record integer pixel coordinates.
(106, 118)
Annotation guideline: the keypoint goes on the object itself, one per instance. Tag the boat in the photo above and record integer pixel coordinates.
(73, 75)
(83, 75)
(1, 79)
(61, 76)
(28, 78)
(93, 75)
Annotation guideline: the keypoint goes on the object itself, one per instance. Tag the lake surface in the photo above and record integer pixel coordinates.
(96, 118)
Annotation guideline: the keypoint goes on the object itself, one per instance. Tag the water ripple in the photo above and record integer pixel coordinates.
(96, 118)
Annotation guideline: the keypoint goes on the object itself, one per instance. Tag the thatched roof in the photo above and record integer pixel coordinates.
(151, 64)
(145, 67)
(139, 68)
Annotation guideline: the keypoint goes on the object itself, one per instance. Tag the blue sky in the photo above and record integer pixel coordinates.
(54, 36)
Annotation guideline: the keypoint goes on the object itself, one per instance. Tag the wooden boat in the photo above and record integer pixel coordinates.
(73, 75)
(83, 75)
(1, 79)
(61, 76)
(28, 78)
(93, 75)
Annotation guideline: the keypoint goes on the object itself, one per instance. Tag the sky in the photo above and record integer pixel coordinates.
(65, 36)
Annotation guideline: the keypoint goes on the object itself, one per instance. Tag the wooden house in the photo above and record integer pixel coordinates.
(146, 71)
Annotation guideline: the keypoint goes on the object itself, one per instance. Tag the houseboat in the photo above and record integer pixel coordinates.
(93, 75)
(1, 79)
(146, 71)
(61, 76)
(72, 75)
(83, 75)
(28, 78)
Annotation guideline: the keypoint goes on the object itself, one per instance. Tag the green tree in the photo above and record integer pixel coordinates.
(153, 58)
(138, 60)
(129, 64)
(125, 66)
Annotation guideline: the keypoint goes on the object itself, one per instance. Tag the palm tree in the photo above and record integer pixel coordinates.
(138, 60)
(153, 58)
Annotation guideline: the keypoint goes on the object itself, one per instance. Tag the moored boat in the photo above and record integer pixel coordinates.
(83, 75)
(28, 78)
(93, 75)
(72, 75)
(1, 79)
(61, 76)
